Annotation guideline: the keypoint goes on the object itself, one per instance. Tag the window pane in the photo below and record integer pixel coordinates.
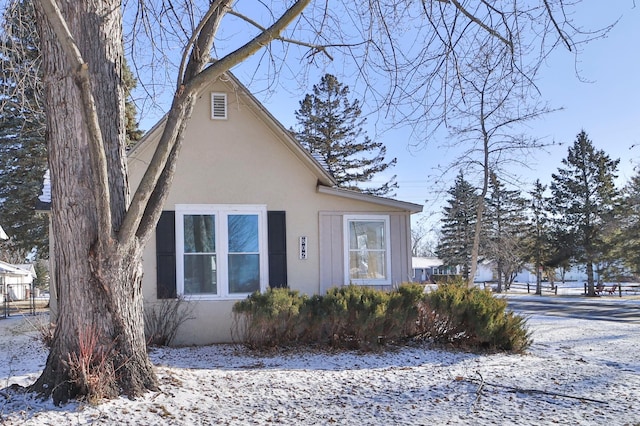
(365, 264)
(244, 273)
(200, 274)
(243, 233)
(366, 235)
(199, 234)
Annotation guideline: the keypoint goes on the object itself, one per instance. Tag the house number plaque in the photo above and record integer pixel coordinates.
(303, 248)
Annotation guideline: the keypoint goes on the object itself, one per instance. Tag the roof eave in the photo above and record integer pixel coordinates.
(360, 196)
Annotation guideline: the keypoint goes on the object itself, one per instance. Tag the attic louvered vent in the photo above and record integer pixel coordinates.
(219, 106)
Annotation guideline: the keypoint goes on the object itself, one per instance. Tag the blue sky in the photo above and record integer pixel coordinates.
(606, 104)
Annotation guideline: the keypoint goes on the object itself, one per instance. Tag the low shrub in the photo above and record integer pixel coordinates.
(358, 317)
(45, 328)
(91, 368)
(355, 316)
(474, 318)
(406, 313)
(269, 319)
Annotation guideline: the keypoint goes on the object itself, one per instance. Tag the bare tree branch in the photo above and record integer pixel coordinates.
(314, 48)
(561, 33)
(176, 120)
(219, 8)
(477, 21)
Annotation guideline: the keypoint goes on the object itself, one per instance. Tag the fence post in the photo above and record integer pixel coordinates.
(7, 308)
(620, 290)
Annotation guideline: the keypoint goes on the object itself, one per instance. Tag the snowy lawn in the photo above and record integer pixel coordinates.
(577, 372)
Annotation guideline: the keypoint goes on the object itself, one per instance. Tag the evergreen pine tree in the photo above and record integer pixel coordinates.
(23, 150)
(505, 226)
(458, 226)
(628, 241)
(584, 196)
(331, 128)
(537, 241)
(134, 134)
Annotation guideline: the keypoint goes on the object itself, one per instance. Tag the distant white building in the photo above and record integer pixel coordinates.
(15, 281)
(425, 268)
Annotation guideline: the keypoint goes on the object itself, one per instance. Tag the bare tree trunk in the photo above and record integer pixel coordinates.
(475, 250)
(99, 345)
(538, 278)
(476, 238)
(591, 288)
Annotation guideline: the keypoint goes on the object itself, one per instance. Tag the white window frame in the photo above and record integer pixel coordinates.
(221, 212)
(218, 95)
(367, 218)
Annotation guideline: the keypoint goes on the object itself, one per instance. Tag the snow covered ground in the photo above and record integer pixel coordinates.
(578, 372)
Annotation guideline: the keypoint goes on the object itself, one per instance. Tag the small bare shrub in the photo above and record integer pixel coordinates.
(162, 320)
(44, 327)
(91, 367)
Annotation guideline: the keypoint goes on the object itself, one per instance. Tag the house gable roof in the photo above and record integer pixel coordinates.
(326, 182)
(314, 164)
(9, 269)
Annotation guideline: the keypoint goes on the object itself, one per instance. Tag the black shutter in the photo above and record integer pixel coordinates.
(166, 255)
(277, 230)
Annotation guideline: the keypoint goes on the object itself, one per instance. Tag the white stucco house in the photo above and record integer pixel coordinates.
(250, 208)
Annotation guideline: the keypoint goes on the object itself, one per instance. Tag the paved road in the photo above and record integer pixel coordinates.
(578, 307)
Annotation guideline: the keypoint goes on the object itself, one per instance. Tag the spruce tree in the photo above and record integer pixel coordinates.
(134, 133)
(628, 235)
(23, 149)
(584, 196)
(330, 127)
(505, 226)
(536, 243)
(458, 226)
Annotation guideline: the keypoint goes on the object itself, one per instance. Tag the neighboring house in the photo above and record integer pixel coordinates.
(250, 208)
(485, 271)
(15, 281)
(430, 269)
(424, 269)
